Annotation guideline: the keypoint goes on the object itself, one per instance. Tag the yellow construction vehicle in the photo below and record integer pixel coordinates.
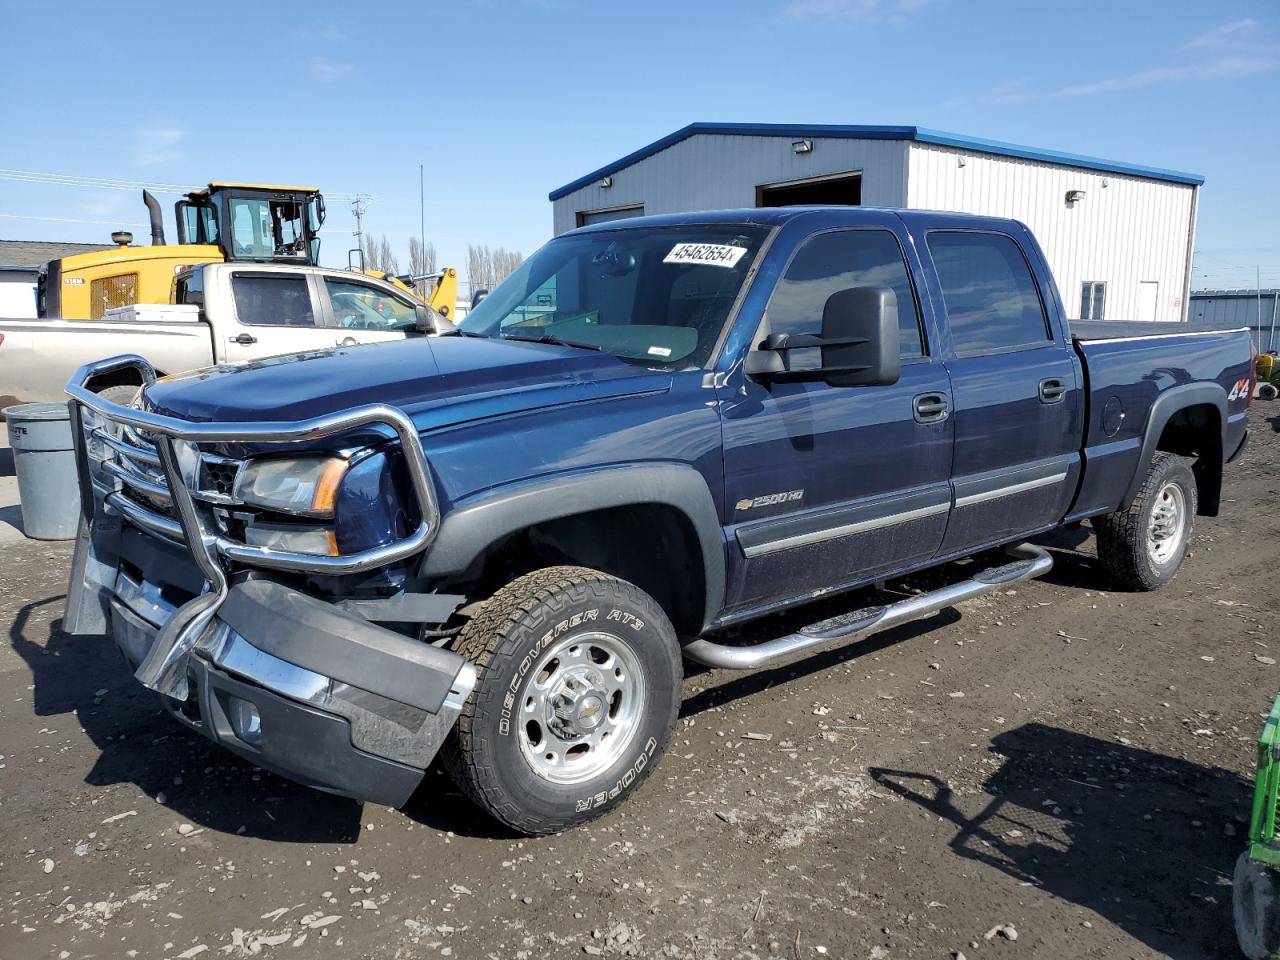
(443, 296)
(222, 222)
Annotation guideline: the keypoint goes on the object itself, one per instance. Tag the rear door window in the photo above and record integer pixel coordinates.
(276, 300)
(992, 302)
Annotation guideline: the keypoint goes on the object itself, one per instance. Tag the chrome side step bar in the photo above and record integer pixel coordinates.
(1028, 562)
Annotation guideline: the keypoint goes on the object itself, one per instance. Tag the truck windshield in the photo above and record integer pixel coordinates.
(657, 296)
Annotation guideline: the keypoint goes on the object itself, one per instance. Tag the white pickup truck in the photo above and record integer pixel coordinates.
(222, 313)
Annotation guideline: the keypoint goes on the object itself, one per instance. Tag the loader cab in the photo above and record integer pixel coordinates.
(254, 222)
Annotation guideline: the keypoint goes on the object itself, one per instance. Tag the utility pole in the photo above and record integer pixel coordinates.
(422, 231)
(357, 208)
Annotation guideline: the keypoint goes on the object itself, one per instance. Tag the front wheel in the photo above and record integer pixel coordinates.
(576, 698)
(1143, 546)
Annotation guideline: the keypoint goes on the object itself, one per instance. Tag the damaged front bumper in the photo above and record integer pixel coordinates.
(288, 681)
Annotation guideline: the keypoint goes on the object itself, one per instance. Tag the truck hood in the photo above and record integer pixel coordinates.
(436, 380)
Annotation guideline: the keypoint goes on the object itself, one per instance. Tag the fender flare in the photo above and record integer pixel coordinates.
(468, 529)
(1159, 415)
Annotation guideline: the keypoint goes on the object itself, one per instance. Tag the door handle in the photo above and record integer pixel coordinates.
(930, 407)
(243, 339)
(1052, 390)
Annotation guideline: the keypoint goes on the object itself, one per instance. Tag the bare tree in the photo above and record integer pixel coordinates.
(388, 260)
(487, 267)
(421, 259)
(371, 260)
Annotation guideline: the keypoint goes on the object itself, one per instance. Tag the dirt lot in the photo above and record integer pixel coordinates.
(1068, 764)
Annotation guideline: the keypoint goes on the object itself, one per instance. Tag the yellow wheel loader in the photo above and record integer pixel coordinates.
(222, 222)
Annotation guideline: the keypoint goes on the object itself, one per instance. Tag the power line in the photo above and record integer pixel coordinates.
(104, 223)
(107, 183)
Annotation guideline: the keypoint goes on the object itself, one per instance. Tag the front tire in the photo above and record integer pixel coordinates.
(1142, 547)
(576, 698)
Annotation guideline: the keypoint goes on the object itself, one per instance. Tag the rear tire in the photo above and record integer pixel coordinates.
(576, 698)
(1255, 902)
(1142, 547)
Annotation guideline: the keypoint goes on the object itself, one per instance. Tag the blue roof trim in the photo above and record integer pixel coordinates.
(862, 132)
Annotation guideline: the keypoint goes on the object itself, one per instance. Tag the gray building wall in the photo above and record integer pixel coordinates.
(718, 172)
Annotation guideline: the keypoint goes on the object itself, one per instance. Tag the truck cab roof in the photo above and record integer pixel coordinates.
(778, 216)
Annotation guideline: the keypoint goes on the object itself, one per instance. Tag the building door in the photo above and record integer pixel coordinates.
(843, 189)
(587, 217)
(833, 485)
(1148, 299)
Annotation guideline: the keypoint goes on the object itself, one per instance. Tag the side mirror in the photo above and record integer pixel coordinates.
(860, 337)
(859, 343)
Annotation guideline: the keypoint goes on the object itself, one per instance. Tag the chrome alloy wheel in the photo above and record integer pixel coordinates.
(580, 707)
(1167, 524)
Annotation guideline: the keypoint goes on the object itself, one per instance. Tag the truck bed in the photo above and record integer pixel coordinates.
(1085, 330)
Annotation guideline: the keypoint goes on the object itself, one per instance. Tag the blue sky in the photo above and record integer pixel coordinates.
(506, 99)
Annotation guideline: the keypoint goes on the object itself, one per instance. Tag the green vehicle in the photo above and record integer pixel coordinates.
(1256, 885)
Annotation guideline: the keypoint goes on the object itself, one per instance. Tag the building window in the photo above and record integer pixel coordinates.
(1093, 296)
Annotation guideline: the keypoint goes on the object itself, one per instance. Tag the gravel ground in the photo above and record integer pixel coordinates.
(1053, 771)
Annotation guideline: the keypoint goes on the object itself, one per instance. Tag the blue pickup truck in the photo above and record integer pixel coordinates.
(499, 544)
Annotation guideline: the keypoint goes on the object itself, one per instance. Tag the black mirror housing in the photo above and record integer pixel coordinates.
(860, 337)
(859, 343)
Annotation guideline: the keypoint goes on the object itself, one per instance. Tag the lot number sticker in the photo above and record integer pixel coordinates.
(710, 254)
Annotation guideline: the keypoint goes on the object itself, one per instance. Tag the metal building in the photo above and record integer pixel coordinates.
(1117, 236)
(1257, 309)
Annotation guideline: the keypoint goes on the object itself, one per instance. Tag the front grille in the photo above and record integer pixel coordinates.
(218, 475)
(129, 457)
(107, 293)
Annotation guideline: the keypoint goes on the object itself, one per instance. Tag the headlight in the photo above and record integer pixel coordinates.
(298, 486)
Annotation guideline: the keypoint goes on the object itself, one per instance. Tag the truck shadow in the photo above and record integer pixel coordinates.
(137, 742)
(1137, 837)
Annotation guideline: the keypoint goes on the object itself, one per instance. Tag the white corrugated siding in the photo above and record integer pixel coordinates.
(713, 172)
(1130, 231)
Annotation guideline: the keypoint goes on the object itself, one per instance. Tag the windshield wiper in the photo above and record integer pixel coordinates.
(458, 332)
(548, 338)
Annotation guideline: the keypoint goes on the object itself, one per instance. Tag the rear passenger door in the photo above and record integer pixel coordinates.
(275, 312)
(827, 486)
(1016, 399)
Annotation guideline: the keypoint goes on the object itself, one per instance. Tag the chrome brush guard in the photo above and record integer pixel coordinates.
(132, 461)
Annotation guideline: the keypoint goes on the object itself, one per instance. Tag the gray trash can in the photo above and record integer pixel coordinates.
(45, 462)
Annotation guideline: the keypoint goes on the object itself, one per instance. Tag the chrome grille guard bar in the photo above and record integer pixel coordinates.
(159, 670)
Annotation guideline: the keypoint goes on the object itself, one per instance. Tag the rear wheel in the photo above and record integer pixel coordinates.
(1255, 901)
(1143, 546)
(576, 699)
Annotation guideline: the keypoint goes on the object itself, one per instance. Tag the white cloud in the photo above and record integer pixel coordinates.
(156, 146)
(1229, 34)
(854, 11)
(327, 69)
(1229, 51)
